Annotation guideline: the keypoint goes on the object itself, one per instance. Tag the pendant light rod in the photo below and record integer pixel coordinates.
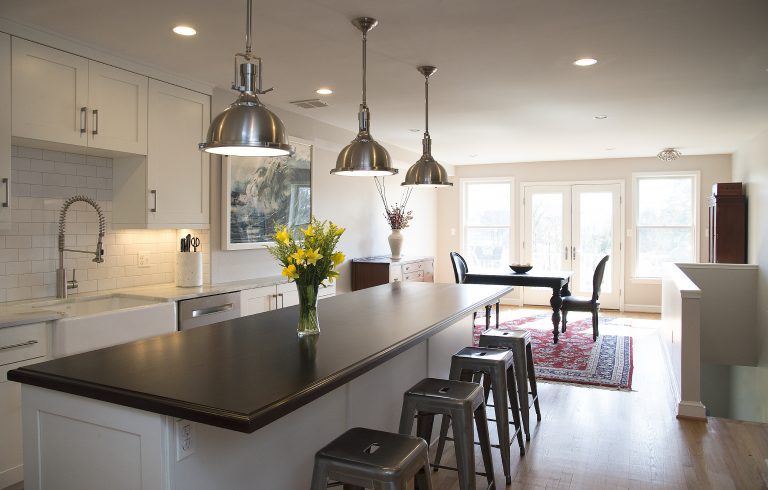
(248, 25)
(427, 71)
(365, 24)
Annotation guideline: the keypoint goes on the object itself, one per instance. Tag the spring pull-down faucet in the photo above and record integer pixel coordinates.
(62, 285)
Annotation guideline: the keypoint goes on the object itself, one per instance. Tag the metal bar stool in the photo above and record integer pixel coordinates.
(497, 368)
(366, 458)
(461, 401)
(519, 342)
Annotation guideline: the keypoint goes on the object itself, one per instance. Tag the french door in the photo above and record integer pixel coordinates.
(571, 227)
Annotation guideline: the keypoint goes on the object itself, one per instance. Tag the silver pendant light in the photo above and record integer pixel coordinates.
(427, 171)
(247, 127)
(364, 156)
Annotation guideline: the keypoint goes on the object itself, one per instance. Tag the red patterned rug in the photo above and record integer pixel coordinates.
(575, 358)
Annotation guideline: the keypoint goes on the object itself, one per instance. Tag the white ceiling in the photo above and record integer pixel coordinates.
(686, 73)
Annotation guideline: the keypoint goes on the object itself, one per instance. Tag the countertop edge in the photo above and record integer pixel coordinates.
(237, 421)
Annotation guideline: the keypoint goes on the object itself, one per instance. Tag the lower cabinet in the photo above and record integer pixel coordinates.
(19, 346)
(259, 300)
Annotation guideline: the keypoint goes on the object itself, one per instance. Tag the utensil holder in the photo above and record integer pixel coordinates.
(189, 269)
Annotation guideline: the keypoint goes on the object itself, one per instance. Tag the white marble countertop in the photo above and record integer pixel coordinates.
(29, 311)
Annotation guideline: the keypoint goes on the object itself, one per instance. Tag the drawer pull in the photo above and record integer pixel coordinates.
(20, 344)
(210, 310)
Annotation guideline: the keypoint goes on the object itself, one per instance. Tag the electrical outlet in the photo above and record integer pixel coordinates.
(144, 259)
(185, 439)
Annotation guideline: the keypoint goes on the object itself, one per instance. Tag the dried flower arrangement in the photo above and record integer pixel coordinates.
(396, 215)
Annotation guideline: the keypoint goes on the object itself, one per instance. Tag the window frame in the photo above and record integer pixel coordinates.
(463, 226)
(695, 176)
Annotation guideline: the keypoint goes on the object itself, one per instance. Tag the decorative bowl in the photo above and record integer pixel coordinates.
(521, 269)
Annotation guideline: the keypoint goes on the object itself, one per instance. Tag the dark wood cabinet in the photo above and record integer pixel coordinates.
(728, 224)
(375, 271)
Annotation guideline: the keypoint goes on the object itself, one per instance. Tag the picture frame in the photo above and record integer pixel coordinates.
(258, 193)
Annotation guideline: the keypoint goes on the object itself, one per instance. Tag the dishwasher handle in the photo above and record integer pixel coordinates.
(212, 309)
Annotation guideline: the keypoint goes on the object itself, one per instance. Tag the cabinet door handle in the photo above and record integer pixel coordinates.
(83, 119)
(20, 344)
(95, 122)
(5, 183)
(573, 253)
(275, 296)
(282, 300)
(154, 193)
(566, 252)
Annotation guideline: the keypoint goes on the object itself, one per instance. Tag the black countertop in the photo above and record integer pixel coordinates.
(243, 374)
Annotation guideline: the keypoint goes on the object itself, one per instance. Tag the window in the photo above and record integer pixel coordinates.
(487, 223)
(665, 221)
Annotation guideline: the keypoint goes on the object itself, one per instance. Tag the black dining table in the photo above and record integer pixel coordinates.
(556, 280)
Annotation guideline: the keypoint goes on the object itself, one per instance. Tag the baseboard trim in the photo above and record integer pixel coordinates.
(691, 410)
(642, 308)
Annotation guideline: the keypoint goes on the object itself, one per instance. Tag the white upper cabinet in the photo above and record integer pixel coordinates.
(5, 131)
(118, 109)
(63, 98)
(177, 172)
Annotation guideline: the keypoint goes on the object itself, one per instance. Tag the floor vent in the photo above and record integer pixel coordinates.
(309, 103)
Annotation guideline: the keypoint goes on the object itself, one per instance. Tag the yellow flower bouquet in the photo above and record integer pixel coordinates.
(309, 258)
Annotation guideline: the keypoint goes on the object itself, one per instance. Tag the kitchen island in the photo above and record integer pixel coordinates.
(261, 400)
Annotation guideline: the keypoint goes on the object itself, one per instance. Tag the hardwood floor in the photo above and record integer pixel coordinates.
(600, 439)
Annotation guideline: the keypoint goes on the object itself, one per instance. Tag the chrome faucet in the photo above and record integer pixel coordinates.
(62, 285)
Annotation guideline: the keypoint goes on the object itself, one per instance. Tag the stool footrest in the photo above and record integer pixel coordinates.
(442, 467)
(511, 440)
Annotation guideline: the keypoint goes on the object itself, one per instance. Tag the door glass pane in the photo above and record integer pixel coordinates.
(487, 204)
(487, 248)
(596, 237)
(659, 245)
(547, 245)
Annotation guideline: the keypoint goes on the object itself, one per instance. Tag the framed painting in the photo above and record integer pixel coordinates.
(259, 193)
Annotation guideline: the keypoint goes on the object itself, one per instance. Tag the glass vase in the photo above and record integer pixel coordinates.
(308, 323)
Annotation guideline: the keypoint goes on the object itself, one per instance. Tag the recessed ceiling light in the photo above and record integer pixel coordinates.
(473, 155)
(415, 130)
(601, 116)
(610, 148)
(324, 91)
(585, 62)
(184, 31)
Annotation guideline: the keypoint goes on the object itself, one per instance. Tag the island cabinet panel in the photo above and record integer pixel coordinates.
(375, 271)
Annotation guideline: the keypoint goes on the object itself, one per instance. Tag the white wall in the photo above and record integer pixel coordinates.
(351, 202)
(749, 385)
(713, 168)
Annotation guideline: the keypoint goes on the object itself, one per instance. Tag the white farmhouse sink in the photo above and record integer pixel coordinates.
(91, 323)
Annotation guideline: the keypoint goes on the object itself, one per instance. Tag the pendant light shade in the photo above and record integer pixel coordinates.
(426, 171)
(364, 156)
(247, 127)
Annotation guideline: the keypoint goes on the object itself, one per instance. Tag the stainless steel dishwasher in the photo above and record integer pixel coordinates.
(205, 310)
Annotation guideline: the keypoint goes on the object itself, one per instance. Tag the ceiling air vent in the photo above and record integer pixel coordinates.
(309, 103)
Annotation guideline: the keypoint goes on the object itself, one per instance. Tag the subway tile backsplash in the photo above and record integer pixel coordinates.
(41, 181)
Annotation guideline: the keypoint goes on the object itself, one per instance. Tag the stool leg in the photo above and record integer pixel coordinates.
(487, 317)
(319, 476)
(514, 405)
(500, 406)
(441, 441)
(532, 380)
(422, 480)
(424, 424)
(389, 485)
(497, 314)
(521, 371)
(464, 442)
(481, 422)
(406, 417)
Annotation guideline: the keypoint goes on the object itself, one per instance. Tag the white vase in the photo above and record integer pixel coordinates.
(395, 244)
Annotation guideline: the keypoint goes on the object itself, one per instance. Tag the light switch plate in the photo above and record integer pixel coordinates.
(185, 438)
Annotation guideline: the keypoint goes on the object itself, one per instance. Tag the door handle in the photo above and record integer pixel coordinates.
(5, 183)
(83, 119)
(154, 209)
(20, 344)
(95, 122)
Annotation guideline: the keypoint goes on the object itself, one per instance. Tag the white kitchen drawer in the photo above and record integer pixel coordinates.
(415, 266)
(23, 342)
(395, 273)
(327, 292)
(416, 276)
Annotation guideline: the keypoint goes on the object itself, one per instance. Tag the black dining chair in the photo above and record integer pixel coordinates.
(592, 305)
(460, 270)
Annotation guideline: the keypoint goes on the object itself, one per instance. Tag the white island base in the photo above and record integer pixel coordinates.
(73, 442)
